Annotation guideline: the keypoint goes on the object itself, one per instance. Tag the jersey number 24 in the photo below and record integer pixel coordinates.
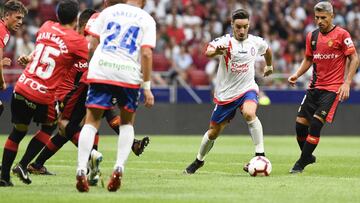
(127, 40)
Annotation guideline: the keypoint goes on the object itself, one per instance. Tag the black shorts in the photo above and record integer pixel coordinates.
(24, 110)
(322, 103)
(73, 107)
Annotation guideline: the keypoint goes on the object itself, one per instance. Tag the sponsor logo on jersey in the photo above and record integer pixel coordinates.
(116, 66)
(325, 56)
(81, 65)
(242, 52)
(239, 68)
(32, 84)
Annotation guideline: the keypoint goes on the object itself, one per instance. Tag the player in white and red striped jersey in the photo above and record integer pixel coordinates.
(235, 84)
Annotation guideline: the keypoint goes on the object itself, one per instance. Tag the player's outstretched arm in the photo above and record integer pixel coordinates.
(305, 65)
(344, 90)
(268, 70)
(146, 65)
(215, 51)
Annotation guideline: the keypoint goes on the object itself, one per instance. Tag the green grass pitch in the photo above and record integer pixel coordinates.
(157, 175)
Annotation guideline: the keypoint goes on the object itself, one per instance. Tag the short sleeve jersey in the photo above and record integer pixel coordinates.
(123, 29)
(329, 58)
(57, 49)
(4, 35)
(236, 72)
(90, 23)
(72, 79)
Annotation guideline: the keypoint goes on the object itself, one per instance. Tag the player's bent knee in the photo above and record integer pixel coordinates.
(21, 127)
(303, 121)
(215, 130)
(213, 134)
(249, 116)
(70, 131)
(315, 126)
(319, 118)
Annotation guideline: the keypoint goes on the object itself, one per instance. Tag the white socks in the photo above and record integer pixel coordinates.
(205, 146)
(86, 142)
(126, 139)
(256, 132)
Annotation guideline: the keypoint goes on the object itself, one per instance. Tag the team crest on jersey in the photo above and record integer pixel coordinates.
(252, 51)
(330, 43)
(6, 39)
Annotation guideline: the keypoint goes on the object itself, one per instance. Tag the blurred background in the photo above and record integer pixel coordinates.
(182, 74)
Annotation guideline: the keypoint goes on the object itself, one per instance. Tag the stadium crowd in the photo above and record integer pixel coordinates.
(184, 27)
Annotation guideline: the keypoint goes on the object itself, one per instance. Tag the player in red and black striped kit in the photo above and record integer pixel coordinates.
(327, 50)
(58, 47)
(14, 12)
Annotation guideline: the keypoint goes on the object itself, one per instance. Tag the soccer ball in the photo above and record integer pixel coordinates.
(259, 166)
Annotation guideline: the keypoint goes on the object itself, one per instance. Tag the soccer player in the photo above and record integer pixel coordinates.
(235, 84)
(58, 47)
(327, 50)
(123, 35)
(71, 95)
(14, 12)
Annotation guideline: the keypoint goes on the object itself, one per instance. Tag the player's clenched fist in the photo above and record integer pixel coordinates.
(292, 79)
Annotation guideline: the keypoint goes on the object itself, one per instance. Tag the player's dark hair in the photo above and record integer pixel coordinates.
(14, 6)
(67, 11)
(85, 16)
(240, 14)
(114, 2)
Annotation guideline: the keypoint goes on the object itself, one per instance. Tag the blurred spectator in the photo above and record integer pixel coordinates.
(182, 62)
(191, 24)
(24, 45)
